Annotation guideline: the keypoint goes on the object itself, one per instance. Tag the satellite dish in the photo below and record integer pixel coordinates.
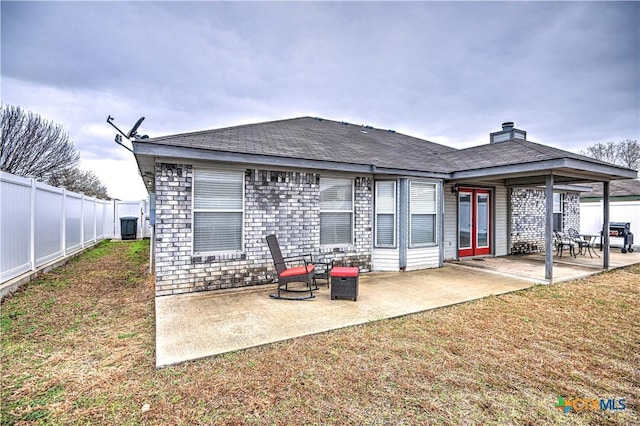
(133, 130)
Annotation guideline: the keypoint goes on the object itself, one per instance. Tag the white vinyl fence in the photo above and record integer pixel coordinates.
(619, 211)
(41, 223)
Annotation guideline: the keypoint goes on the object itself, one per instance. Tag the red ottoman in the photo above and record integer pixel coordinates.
(344, 282)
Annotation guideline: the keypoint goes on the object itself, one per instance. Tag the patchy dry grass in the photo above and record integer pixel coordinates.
(78, 348)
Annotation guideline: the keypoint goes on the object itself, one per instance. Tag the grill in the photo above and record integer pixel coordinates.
(621, 230)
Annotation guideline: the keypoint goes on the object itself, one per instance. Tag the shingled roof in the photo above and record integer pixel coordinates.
(321, 144)
(513, 151)
(319, 139)
(617, 188)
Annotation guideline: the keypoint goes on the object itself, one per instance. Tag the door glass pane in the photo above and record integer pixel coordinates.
(464, 220)
(483, 221)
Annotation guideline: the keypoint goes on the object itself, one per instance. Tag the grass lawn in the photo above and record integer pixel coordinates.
(78, 348)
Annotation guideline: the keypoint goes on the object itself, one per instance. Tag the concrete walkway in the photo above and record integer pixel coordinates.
(199, 325)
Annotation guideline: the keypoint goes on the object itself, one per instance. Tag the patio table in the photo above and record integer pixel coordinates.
(590, 240)
(323, 272)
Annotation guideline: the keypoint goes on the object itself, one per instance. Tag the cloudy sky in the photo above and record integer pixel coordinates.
(451, 72)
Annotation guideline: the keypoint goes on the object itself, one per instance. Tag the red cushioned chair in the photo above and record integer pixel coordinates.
(301, 273)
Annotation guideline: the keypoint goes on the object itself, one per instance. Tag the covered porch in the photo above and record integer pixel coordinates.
(547, 169)
(565, 268)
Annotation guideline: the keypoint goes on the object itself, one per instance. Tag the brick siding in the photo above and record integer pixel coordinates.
(528, 218)
(281, 202)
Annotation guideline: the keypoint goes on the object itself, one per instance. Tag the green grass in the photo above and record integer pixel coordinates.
(99, 250)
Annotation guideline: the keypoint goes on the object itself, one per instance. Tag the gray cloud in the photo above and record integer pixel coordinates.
(567, 72)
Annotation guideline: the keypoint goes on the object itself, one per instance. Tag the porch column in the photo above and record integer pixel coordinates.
(605, 227)
(548, 241)
(509, 220)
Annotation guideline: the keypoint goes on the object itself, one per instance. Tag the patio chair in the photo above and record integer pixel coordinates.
(292, 269)
(561, 241)
(580, 242)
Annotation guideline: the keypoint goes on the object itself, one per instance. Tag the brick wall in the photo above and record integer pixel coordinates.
(528, 218)
(281, 202)
(571, 209)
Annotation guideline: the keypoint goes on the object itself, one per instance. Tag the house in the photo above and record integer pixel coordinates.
(367, 197)
(624, 196)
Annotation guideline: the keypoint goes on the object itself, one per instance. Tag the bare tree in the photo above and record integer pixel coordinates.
(624, 153)
(32, 146)
(84, 182)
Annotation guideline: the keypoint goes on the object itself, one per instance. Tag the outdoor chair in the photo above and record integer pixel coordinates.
(580, 242)
(561, 241)
(292, 269)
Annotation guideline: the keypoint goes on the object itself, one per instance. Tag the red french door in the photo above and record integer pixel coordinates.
(474, 222)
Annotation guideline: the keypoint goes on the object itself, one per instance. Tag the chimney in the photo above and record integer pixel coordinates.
(508, 132)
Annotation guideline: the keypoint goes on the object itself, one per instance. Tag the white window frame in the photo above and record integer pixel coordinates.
(559, 210)
(434, 213)
(351, 212)
(195, 210)
(393, 212)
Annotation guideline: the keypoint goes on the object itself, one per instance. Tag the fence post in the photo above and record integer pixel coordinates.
(32, 231)
(95, 215)
(63, 224)
(82, 221)
(115, 217)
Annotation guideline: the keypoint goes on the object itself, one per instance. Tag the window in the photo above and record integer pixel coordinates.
(422, 213)
(336, 211)
(385, 214)
(557, 212)
(217, 211)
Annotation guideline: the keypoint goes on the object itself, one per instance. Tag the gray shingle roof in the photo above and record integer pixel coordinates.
(514, 151)
(617, 188)
(308, 138)
(318, 139)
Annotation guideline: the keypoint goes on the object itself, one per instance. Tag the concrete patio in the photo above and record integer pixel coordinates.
(199, 325)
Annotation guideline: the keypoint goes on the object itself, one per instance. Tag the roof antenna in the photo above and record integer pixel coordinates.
(133, 133)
